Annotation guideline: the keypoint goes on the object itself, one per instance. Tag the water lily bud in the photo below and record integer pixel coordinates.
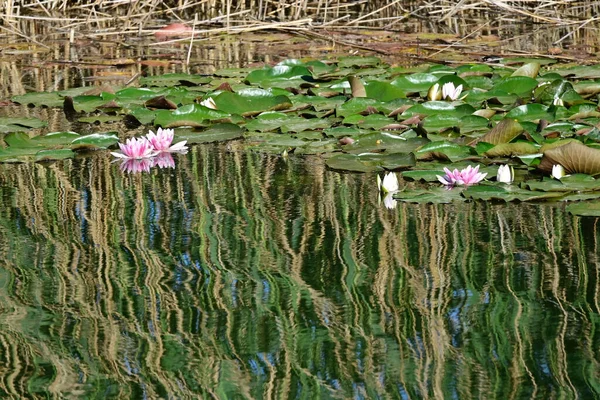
(505, 174)
(434, 93)
(558, 171)
(209, 103)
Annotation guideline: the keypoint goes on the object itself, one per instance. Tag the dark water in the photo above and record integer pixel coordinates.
(240, 275)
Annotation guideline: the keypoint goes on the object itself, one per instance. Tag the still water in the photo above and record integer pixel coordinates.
(243, 275)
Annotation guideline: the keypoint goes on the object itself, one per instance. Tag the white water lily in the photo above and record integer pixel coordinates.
(558, 171)
(450, 92)
(505, 174)
(209, 103)
(389, 202)
(389, 183)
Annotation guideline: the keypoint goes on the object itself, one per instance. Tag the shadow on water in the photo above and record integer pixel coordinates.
(240, 274)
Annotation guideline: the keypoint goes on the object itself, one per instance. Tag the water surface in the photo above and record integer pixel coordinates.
(242, 275)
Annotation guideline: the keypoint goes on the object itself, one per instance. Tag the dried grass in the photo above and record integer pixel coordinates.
(143, 16)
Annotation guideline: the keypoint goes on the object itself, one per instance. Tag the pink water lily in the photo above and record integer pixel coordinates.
(164, 160)
(467, 177)
(135, 149)
(162, 139)
(135, 166)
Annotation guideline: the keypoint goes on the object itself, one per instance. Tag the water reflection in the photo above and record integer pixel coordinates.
(243, 275)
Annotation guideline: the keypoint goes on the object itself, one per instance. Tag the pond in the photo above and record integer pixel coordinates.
(245, 274)
(240, 275)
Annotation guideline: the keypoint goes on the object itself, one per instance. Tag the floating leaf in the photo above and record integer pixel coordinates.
(444, 150)
(190, 115)
(54, 154)
(530, 112)
(512, 149)
(530, 70)
(418, 82)
(506, 193)
(251, 102)
(216, 133)
(587, 209)
(519, 85)
(366, 162)
(572, 183)
(17, 124)
(280, 76)
(434, 195)
(505, 131)
(574, 156)
(95, 140)
(383, 91)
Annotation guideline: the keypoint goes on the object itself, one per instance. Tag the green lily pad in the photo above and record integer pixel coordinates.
(444, 150)
(530, 112)
(383, 91)
(384, 142)
(433, 195)
(95, 141)
(18, 124)
(373, 121)
(280, 76)
(216, 133)
(251, 102)
(193, 115)
(519, 85)
(507, 193)
(587, 209)
(367, 162)
(414, 83)
(50, 155)
(573, 183)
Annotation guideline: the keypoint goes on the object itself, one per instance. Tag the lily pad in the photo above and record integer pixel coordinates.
(193, 115)
(434, 195)
(216, 133)
(18, 124)
(251, 102)
(587, 209)
(574, 156)
(367, 162)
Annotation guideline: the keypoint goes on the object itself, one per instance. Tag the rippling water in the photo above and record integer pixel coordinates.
(240, 275)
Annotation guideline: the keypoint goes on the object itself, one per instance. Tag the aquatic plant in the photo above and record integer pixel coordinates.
(466, 177)
(162, 139)
(505, 174)
(450, 92)
(389, 184)
(558, 171)
(135, 149)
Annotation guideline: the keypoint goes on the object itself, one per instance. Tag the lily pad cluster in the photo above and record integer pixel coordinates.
(364, 115)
